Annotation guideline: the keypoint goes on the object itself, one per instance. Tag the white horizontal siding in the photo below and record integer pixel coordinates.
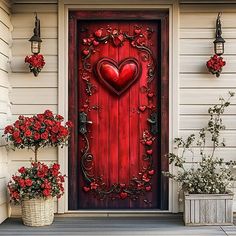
(202, 110)
(31, 95)
(27, 19)
(25, 80)
(5, 39)
(207, 81)
(32, 109)
(198, 89)
(24, 33)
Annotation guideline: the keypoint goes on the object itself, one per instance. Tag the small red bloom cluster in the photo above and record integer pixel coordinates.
(36, 63)
(215, 65)
(38, 131)
(36, 181)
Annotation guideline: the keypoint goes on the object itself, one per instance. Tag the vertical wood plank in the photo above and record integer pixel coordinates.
(73, 111)
(164, 116)
(203, 211)
(187, 212)
(113, 129)
(228, 211)
(220, 211)
(192, 211)
(124, 128)
(134, 140)
(196, 211)
(103, 124)
(155, 45)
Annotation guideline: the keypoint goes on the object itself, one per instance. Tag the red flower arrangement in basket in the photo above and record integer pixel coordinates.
(36, 63)
(215, 65)
(34, 133)
(37, 181)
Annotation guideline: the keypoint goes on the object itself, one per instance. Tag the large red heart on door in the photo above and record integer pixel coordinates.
(118, 77)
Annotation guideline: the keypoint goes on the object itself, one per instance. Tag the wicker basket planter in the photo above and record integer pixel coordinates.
(38, 211)
(208, 209)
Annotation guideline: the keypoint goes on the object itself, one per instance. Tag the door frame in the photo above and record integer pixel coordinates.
(63, 13)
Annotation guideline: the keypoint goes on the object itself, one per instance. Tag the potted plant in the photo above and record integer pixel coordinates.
(34, 187)
(205, 182)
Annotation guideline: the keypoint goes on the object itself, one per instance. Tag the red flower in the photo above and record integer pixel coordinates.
(54, 172)
(22, 170)
(56, 166)
(40, 117)
(28, 133)
(28, 182)
(15, 195)
(46, 192)
(21, 182)
(16, 134)
(49, 122)
(55, 129)
(44, 135)
(18, 140)
(41, 173)
(46, 185)
(59, 117)
(37, 125)
(48, 113)
(69, 124)
(36, 136)
(54, 139)
(23, 128)
(17, 124)
(62, 179)
(8, 129)
(63, 131)
(146, 178)
(93, 185)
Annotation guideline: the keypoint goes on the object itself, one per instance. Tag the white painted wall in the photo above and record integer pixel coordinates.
(197, 88)
(31, 95)
(5, 54)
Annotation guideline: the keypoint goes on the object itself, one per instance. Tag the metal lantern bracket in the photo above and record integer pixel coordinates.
(35, 39)
(219, 41)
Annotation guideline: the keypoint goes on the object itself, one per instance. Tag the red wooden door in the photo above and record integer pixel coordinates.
(117, 86)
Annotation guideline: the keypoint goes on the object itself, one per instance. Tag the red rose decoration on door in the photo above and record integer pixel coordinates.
(118, 77)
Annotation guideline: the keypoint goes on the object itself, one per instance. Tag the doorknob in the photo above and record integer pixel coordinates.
(83, 121)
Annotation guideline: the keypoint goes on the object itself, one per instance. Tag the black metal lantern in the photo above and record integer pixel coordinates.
(35, 39)
(219, 41)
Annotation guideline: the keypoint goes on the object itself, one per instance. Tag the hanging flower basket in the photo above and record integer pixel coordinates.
(215, 65)
(36, 63)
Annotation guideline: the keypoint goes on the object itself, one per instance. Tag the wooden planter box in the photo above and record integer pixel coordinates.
(208, 209)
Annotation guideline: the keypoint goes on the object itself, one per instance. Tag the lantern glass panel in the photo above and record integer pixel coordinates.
(219, 48)
(35, 47)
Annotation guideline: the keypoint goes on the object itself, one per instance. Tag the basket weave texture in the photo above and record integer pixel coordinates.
(37, 211)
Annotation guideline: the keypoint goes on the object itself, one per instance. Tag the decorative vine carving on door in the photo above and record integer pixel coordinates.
(118, 77)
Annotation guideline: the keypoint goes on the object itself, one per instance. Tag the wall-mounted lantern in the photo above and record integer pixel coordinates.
(36, 61)
(219, 41)
(216, 62)
(35, 39)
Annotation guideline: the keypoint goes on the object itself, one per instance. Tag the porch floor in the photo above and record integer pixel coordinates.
(161, 225)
